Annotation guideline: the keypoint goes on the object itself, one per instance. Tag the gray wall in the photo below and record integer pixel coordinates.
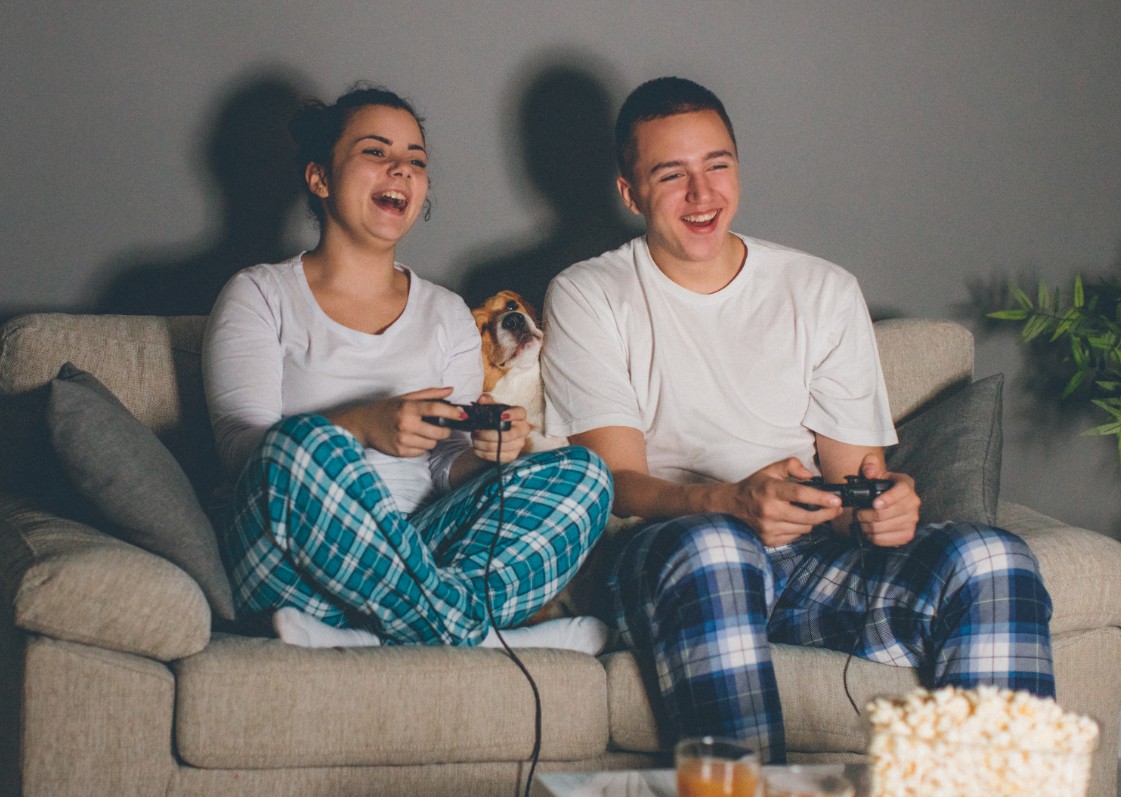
(935, 149)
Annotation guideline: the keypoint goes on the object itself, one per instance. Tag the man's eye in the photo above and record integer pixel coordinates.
(667, 178)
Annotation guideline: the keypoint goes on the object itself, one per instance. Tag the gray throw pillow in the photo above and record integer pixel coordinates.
(122, 468)
(952, 451)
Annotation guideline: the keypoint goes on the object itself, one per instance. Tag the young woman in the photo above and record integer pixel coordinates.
(353, 520)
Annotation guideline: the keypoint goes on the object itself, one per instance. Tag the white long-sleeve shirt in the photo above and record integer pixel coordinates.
(271, 352)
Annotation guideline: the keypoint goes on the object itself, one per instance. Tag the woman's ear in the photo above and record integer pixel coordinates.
(316, 177)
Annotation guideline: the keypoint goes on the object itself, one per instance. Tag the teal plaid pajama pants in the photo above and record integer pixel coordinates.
(312, 526)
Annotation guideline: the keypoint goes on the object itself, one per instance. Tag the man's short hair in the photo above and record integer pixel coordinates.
(656, 99)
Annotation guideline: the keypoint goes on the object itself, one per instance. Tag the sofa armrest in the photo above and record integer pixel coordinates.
(67, 580)
(1081, 568)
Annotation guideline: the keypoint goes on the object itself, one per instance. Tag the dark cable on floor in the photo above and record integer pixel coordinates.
(490, 616)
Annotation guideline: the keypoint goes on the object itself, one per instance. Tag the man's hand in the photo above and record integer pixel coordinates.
(485, 442)
(766, 501)
(894, 515)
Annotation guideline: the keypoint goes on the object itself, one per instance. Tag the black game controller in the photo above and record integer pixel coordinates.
(479, 416)
(857, 491)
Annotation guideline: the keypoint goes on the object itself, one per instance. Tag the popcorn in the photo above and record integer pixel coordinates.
(983, 742)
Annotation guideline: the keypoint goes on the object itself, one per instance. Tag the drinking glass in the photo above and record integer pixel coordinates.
(709, 766)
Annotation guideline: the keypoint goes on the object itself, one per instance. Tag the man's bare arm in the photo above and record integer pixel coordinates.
(763, 500)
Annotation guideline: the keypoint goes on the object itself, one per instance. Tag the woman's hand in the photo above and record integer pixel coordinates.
(394, 426)
(486, 442)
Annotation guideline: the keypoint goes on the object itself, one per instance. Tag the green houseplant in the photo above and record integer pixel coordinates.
(1087, 330)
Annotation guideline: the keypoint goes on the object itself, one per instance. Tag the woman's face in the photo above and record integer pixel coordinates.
(379, 176)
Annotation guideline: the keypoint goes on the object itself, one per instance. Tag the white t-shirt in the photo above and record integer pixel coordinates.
(271, 352)
(720, 385)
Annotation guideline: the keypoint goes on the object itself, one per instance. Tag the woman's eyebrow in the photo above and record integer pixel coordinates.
(388, 142)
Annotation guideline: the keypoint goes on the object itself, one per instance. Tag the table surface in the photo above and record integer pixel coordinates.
(653, 782)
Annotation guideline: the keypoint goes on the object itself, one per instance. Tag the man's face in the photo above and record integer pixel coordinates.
(686, 185)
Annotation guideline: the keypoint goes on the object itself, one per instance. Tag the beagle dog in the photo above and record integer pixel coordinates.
(511, 346)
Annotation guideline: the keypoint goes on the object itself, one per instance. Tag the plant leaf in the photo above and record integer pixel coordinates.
(1022, 298)
(1105, 429)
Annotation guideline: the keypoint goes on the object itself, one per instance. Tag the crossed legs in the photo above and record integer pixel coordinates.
(315, 529)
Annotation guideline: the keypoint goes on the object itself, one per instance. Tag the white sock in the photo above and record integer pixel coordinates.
(586, 634)
(297, 628)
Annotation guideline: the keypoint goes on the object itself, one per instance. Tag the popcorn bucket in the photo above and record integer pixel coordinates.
(983, 742)
(905, 766)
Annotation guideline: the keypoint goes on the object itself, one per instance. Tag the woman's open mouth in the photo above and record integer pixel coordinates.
(393, 201)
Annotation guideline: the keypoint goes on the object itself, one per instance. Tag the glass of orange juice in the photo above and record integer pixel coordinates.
(709, 766)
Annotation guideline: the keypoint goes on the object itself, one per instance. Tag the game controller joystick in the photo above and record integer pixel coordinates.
(857, 491)
(479, 416)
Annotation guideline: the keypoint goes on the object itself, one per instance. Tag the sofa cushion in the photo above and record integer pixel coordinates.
(69, 581)
(916, 380)
(152, 364)
(119, 465)
(953, 452)
(1070, 559)
(382, 705)
(818, 716)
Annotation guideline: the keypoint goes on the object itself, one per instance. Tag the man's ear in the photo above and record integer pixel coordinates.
(627, 195)
(316, 177)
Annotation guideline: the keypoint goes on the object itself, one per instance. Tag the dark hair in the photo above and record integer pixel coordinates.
(317, 127)
(657, 99)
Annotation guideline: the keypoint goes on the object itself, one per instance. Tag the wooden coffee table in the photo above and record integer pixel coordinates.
(654, 782)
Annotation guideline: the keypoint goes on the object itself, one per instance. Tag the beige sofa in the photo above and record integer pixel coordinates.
(114, 683)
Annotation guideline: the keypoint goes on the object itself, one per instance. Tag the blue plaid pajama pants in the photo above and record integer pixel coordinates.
(962, 603)
(313, 526)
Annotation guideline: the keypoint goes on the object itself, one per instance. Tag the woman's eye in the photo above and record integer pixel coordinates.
(420, 164)
(373, 151)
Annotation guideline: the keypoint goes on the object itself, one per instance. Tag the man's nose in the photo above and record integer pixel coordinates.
(699, 188)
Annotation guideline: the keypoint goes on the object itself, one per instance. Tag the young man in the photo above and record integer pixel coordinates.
(713, 372)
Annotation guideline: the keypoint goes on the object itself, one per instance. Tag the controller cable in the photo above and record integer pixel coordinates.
(862, 546)
(856, 534)
(536, 754)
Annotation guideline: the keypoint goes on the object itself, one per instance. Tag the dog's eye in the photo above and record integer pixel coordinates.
(511, 305)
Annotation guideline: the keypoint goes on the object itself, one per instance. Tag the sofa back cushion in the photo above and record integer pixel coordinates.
(150, 363)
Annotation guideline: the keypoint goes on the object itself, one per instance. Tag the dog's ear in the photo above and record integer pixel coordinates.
(481, 316)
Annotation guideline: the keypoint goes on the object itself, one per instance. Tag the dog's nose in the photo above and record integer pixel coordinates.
(515, 322)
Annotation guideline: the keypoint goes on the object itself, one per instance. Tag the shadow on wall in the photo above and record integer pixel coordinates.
(249, 156)
(566, 139)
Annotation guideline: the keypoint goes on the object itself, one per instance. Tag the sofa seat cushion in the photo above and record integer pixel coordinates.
(817, 714)
(251, 703)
